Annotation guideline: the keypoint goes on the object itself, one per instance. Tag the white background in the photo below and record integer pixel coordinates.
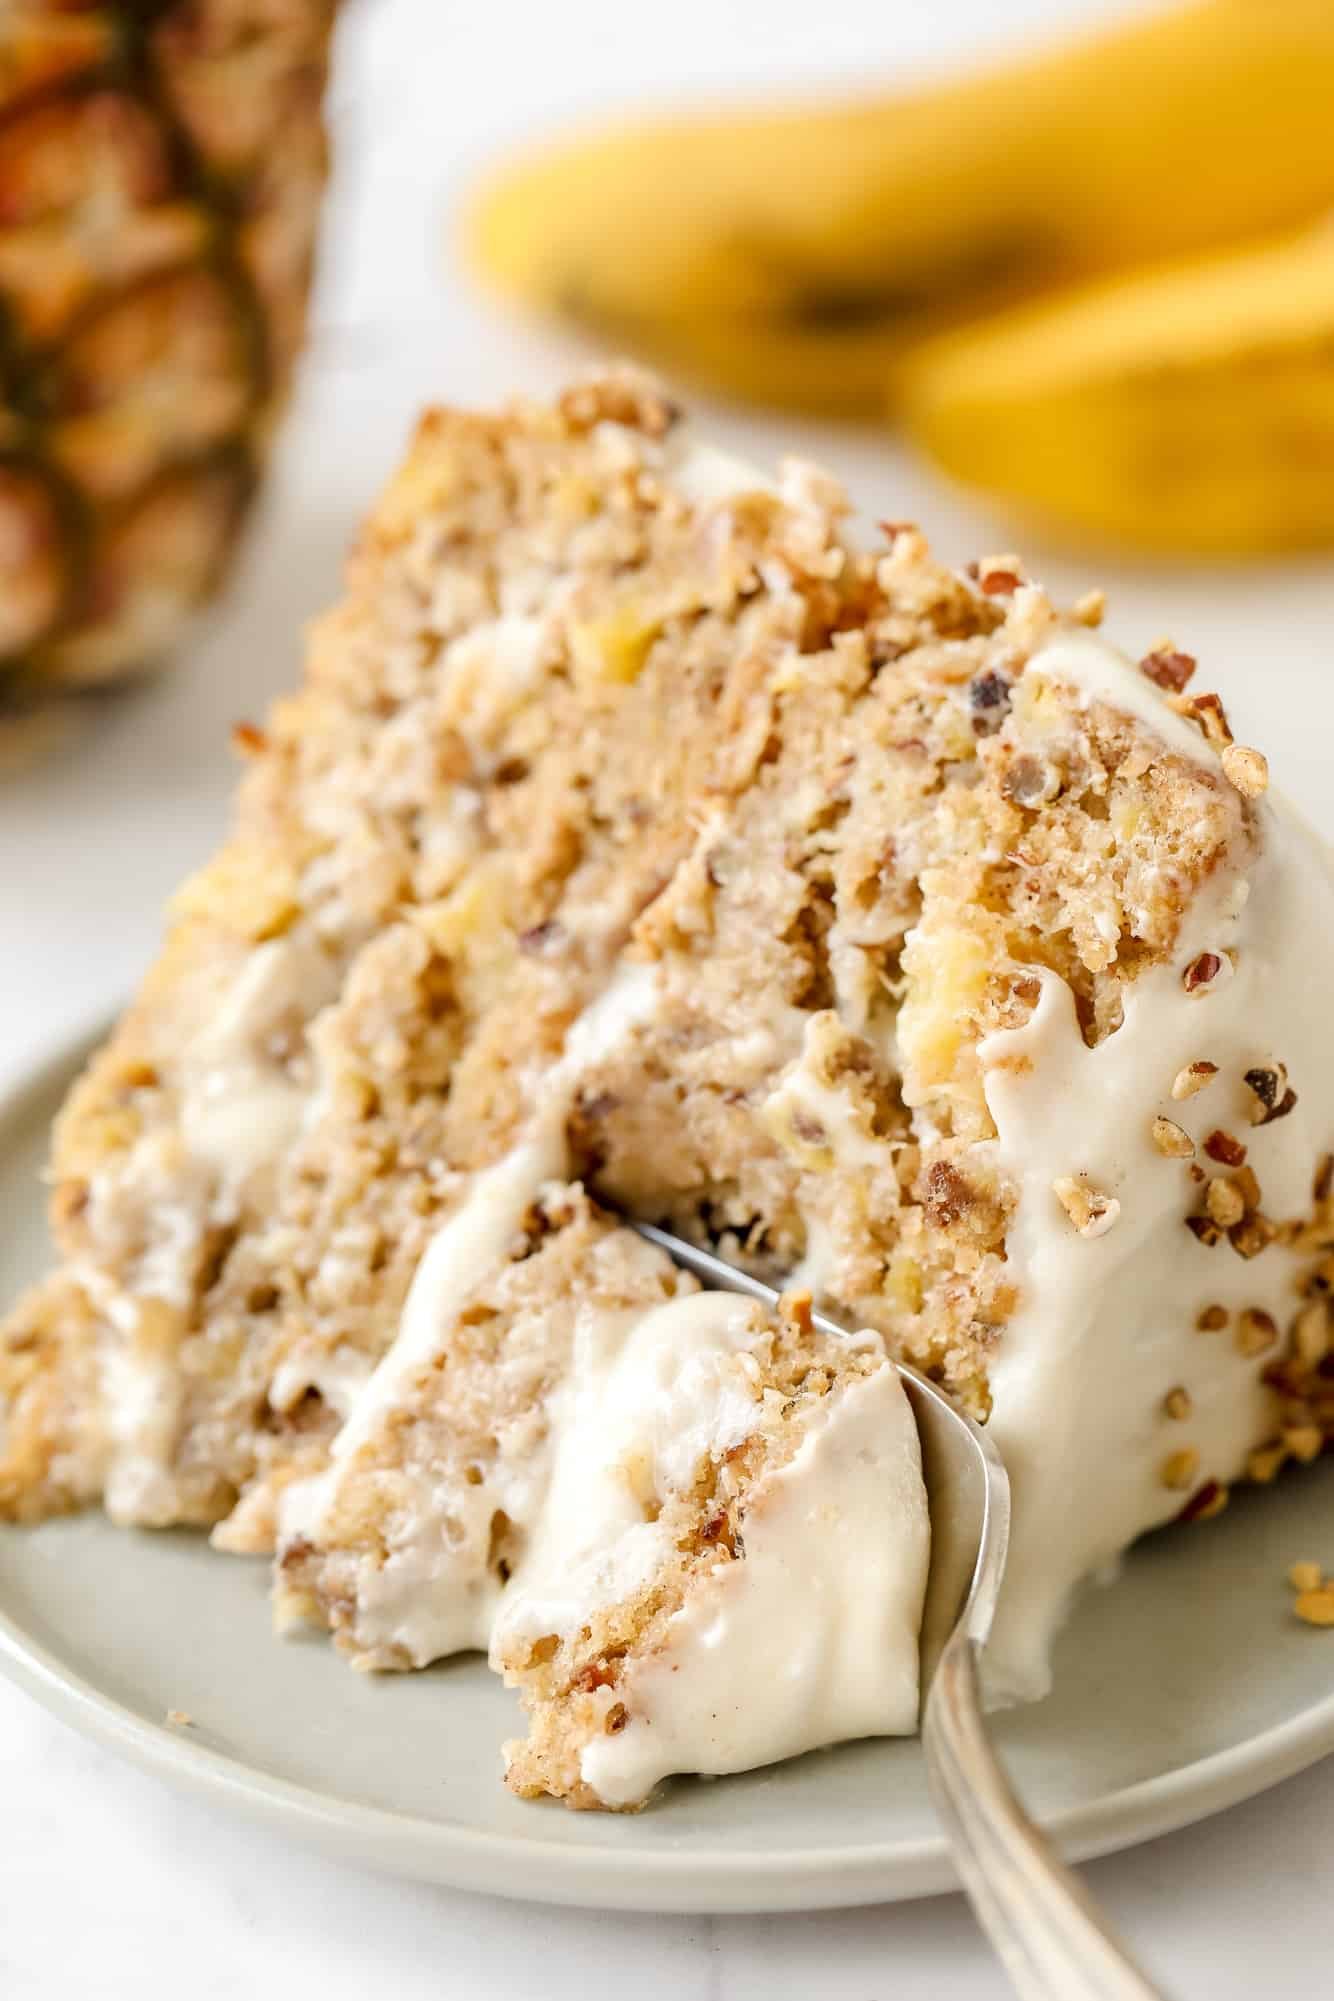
(112, 1885)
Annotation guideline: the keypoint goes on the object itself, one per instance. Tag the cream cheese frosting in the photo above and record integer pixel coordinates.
(241, 1107)
(434, 1593)
(811, 1637)
(1106, 1328)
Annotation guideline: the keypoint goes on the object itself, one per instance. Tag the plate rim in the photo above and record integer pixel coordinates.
(606, 1876)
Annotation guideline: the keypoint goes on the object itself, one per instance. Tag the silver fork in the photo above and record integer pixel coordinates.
(1054, 1942)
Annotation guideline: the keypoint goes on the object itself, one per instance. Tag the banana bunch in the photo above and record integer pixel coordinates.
(1097, 282)
(1190, 409)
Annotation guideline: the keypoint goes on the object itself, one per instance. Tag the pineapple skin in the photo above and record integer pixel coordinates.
(161, 169)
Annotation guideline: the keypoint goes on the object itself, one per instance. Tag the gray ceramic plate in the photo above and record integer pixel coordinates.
(1185, 1686)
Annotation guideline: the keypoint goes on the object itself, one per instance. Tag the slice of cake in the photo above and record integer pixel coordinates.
(638, 836)
(732, 1557)
(439, 1480)
(679, 1523)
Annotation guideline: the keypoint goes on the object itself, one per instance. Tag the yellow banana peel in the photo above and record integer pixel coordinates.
(1183, 410)
(795, 255)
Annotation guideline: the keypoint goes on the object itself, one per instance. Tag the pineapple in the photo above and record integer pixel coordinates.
(161, 164)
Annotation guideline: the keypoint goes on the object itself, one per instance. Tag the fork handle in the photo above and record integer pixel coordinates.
(1054, 1943)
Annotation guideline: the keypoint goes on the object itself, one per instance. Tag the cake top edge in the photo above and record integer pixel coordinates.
(641, 432)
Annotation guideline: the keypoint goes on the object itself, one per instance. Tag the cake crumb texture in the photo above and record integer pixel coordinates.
(599, 703)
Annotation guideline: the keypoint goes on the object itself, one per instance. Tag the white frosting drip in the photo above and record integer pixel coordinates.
(812, 1640)
(435, 1592)
(812, 1636)
(804, 1091)
(240, 1109)
(642, 1408)
(1100, 673)
(1106, 1325)
(473, 1241)
(240, 1106)
(142, 1398)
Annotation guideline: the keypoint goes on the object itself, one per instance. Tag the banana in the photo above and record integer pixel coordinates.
(1185, 410)
(795, 255)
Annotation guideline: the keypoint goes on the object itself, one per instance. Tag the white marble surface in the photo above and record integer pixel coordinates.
(112, 1885)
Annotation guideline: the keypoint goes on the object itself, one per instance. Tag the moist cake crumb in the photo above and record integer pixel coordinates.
(638, 842)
